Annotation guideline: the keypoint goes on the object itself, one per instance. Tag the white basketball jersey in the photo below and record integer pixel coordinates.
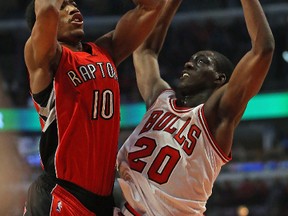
(169, 163)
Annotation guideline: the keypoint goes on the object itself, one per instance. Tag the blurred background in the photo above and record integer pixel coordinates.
(254, 183)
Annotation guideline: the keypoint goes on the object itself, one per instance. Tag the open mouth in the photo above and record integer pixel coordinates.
(77, 19)
(185, 74)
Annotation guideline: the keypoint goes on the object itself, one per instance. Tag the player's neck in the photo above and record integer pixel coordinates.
(76, 47)
(191, 100)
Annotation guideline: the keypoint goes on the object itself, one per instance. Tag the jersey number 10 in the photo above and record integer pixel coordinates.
(103, 104)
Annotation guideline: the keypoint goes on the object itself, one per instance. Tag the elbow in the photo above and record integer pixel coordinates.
(269, 46)
(265, 49)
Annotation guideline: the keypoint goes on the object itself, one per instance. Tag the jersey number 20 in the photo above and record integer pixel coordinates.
(163, 164)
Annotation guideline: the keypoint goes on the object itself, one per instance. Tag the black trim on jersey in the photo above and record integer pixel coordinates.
(42, 97)
(48, 146)
(43, 117)
(87, 48)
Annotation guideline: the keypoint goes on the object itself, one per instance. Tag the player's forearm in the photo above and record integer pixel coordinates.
(47, 5)
(258, 27)
(47, 18)
(250, 72)
(150, 4)
(155, 41)
(132, 30)
(44, 33)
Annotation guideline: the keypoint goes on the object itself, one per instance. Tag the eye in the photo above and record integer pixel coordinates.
(63, 5)
(202, 61)
(74, 4)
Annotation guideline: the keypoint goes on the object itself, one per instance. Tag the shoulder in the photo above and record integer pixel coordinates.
(105, 42)
(163, 98)
(167, 93)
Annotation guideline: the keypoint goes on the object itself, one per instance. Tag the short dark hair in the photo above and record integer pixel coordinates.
(30, 14)
(224, 65)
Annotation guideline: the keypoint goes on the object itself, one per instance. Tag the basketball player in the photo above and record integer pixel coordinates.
(75, 88)
(171, 160)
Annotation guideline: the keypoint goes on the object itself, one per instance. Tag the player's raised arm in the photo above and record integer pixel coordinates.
(41, 48)
(252, 69)
(132, 29)
(145, 57)
(230, 101)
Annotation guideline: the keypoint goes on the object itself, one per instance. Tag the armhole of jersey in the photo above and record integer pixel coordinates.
(225, 158)
(42, 97)
(163, 95)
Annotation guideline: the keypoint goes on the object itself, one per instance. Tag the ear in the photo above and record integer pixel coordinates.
(220, 79)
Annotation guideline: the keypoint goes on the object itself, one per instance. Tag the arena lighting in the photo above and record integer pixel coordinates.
(267, 106)
(285, 56)
(262, 106)
(242, 211)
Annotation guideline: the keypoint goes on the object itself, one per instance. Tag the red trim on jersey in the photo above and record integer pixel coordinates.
(131, 210)
(211, 138)
(177, 108)
(37, 108)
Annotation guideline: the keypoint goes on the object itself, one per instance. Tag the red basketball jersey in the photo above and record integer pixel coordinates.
(84, 110)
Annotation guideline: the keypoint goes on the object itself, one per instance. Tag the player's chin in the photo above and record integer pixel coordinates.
(185, 87)
(78, 33)
(78, 30)
(181, 83)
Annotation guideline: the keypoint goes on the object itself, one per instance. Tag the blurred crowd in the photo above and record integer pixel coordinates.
(231, 39)
(261, 197)
(113, 7)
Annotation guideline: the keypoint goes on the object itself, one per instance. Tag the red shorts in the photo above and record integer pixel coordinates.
(65, 204)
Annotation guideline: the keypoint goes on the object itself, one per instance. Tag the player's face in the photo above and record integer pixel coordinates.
(70, 27)
(199, 73)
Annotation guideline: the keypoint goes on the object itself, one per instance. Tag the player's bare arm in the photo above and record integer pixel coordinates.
(145, 58)
(132, 29)
(42, 48)
(230, 101)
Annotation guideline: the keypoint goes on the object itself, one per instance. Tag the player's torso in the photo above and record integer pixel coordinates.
(87, 111)
(171, 149)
